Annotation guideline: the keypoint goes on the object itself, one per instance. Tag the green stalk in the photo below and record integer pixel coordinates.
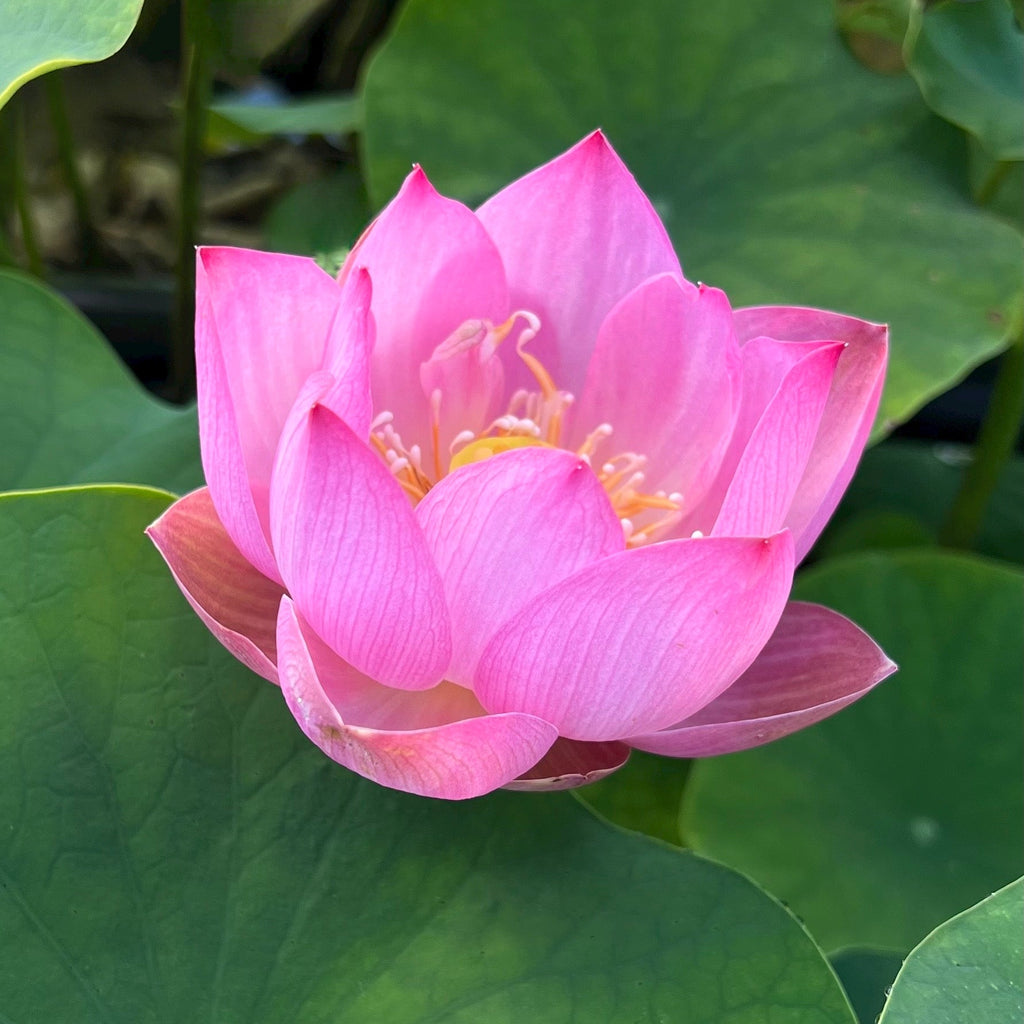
(996, 440)
(57, 102)
(6, 190)
(196, 83)
(16, 134)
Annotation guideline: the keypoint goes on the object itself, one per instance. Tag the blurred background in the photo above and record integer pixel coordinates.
(105, 186)
(101, 151)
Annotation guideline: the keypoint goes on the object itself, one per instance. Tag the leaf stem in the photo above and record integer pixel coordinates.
(196, 83)
(19, 184)
(6, 191)
(57, 102)
(996, 440)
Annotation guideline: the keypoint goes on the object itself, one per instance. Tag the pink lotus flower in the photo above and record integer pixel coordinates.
(464, 577)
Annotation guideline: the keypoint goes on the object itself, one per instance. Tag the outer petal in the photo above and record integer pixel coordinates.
(665, 376)
(503, 530)
(237, 603)
(849, 413)
(815, 664)
(570, 764)
(639, 640)
(575, 236)
(775, 456)
(433, 268)
(264, 323)
(352, 555)
(349, 351)
(453, 760)
(242, 512)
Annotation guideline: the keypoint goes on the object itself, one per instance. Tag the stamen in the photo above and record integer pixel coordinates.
(658, 526)
(616, 470)
(531, 418)
(623, 477)
(519, 400)
(508, 425)
(546, 408)
(460, 440)
(534, 365)
(593, 440)
(435, 430)
(405, 464)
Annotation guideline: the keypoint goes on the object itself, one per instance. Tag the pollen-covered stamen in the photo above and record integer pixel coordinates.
(538, 413)
(547, 408)
(406, 464)
(622, 477)
(532, 418)
(593, 440)
(435, 430)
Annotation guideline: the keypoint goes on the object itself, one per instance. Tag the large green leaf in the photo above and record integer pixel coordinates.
(968, 60)
(644, 795)
(174, 850)
(878, 824)
(902, 492)
(968, 970)
(69, 410)
(40, 36)
(784, 170)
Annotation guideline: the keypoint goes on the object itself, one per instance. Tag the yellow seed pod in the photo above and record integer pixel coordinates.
(484, 447)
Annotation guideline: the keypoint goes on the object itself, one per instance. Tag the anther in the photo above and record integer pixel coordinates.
(463, 437)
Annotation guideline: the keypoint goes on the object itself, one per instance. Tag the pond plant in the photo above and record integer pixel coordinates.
(478, 494)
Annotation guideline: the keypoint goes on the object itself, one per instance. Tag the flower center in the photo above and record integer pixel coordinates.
(533, 419)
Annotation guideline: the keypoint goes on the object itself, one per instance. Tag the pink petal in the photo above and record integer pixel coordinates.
(572, 763)
(665, 376)
(850, 411)
(775, 456)
(454, 759)
(503, 530)
(349, 352)
(352, 555)
(243, 513)
(264, 323)
(466, 373)
(640, 640)
(433, 268)
(815, 664)
(575, 236)
(237, 603)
